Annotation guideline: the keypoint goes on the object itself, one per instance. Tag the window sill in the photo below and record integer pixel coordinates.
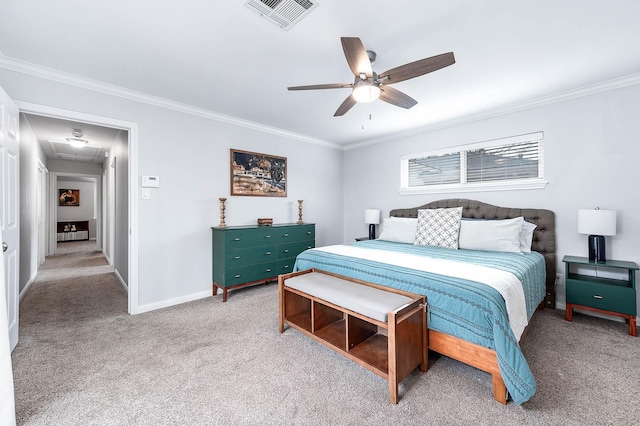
(476, 187)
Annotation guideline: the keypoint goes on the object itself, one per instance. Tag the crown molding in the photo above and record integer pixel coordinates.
(613, 84)
(121, 92)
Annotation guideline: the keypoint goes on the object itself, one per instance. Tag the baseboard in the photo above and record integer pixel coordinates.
(122, 281)
(26, 287)
(172, 302)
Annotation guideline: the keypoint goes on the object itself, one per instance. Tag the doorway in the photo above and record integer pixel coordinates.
(125, 226)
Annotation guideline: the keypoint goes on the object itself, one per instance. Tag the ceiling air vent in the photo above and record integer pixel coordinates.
(283, 13)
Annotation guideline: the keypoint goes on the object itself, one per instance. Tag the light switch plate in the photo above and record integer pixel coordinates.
(146, 193)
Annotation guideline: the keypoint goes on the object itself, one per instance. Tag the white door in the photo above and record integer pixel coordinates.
(9, 214)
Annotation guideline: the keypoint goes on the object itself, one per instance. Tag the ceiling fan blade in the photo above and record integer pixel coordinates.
(345, 106)
(417, 68)
(322, 86)
(396, 97)
(356, 56)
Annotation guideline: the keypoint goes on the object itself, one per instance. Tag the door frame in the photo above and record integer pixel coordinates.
(132, 129)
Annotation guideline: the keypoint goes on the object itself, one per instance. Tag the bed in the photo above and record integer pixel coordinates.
(468, 318)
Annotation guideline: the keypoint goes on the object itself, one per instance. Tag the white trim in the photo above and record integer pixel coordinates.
(132, 129)
(175, 301)
(613, 84)
(25, 290)
(463, 185)
(476, 187)
(23, 67)
(124, 284)
(113, 90)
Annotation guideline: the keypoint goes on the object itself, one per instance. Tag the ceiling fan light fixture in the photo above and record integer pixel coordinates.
(366, 92)
(77, 142)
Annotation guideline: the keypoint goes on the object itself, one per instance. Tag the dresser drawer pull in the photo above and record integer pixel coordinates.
(237, 257)
(596, 296)
(268, 253)
(286, 266)
(267, 236)
(268, 270)
(286, 250)
(308, 232)
(308, 247)
(237, 276)
(236, 239)
(285, 235)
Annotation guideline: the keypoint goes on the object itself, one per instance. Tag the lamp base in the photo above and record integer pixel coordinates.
(597, 251)
(372, 231)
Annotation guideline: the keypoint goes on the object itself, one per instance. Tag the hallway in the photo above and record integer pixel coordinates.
(75, 298)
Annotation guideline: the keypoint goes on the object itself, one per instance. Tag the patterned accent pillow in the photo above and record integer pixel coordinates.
(439, 227)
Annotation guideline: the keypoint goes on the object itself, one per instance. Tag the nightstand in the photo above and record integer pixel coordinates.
(605, 295)
(362, 238)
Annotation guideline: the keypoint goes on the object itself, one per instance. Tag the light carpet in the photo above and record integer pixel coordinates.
(82, 360)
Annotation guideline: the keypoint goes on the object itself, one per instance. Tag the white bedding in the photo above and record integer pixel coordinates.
(507, 284)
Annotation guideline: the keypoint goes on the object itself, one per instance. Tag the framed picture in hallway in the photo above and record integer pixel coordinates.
(69, 197)
(258, 174)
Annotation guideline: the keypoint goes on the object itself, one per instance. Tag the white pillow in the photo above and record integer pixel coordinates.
(399, 229)
(491, 235)
(526, 236)
(439, 227)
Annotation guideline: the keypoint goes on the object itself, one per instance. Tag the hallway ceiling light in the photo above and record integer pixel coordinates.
(77, 142)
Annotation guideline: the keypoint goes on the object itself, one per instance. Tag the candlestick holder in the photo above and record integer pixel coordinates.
(222, 208)
(300, 211)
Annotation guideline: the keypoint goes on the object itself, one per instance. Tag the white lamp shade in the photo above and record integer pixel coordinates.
(372, 216)
(597, 222)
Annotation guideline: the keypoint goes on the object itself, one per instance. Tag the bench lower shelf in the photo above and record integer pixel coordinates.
(391, 349)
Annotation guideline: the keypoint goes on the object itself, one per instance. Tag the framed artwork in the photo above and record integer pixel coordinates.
(258, 174)
(69, 197)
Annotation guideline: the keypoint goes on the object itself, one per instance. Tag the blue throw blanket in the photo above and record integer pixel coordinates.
(466, 309)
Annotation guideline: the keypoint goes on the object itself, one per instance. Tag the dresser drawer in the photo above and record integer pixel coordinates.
(286, 265)
(239, 238)
(602, 296)
(250, 255)
(295, 233)
(293, 249)
(260, 271)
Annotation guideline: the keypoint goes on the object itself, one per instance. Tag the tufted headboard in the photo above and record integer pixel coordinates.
(544, 236)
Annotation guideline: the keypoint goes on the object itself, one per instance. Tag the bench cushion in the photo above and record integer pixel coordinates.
(368, 301)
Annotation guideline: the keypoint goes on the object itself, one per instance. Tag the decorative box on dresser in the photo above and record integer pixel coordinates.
(248, 255)
(599, 294)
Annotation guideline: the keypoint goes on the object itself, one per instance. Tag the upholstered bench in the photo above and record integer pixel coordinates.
(380, 328)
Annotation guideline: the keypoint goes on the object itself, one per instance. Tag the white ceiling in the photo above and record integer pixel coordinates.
(53, 132)
(222, 57)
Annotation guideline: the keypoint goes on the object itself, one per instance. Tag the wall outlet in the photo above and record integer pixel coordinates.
(559, 279)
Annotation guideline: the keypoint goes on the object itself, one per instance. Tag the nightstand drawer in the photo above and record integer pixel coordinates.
(606, 297)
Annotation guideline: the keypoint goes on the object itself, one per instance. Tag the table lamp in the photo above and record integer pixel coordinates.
(372, 217)
(597, 223)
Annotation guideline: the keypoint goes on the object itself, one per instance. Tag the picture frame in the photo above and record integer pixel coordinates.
(68, 197)
(257, 174)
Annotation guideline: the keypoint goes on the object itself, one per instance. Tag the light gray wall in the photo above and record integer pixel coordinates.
(591, 159)
(190, 154)
(85, 211)
(120, 152)
(30, 153)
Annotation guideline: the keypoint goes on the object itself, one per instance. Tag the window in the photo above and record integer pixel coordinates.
(509, 163)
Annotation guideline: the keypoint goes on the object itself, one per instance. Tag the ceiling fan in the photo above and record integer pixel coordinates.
(369, 86)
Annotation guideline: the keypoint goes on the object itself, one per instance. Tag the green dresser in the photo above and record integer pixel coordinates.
(247, 255)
